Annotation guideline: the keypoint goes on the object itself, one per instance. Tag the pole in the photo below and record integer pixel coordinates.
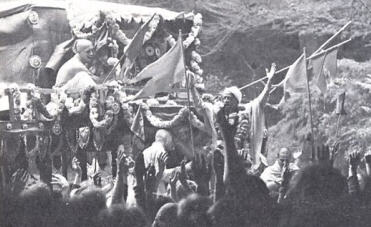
(310, 109)
(337, 126)
(188, 96)
(311, 57)
(332, 37)
(114, 67)
(315, 54)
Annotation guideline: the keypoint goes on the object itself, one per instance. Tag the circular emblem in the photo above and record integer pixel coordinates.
(35, 61)
(9, 126)
(150, 51)
(115, 108)
(158, 52)
(33, 17)
(57, 130)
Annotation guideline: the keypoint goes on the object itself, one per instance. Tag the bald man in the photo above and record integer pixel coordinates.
(157, 154)
(272, 175)
(74, 74)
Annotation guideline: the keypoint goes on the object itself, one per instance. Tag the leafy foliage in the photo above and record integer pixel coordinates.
(354, 127)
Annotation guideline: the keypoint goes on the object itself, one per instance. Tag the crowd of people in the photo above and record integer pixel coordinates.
(216, 188)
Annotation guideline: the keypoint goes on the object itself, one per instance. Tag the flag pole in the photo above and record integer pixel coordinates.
(315, 54)
(186, 76)
(310, 106)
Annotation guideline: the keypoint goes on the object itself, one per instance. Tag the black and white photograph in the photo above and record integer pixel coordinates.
(185, 113)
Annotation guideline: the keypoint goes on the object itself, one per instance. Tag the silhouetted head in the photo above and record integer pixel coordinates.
(119, 216)
(192, 211)
(166, 216)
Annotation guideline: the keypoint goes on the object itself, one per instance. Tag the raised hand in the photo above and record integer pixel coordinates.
(183, 174)
(272, 71)
(18, 181)
(76, 166)
(202, 174)
(139, 167)
(285, 174)
(122, 163)
(150, 179)
(161, 164)
(354, 161)
(334, 152)
(60, 181)
(226, 127)
(174, 179)
(368, 163)
(218, 163)
(97, 179)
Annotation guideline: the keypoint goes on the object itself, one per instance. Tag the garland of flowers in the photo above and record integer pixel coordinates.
(181, 115)
(83, 140)
(196, 58)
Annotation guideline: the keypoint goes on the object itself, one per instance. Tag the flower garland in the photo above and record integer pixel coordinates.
(159, 123)
(196, 58)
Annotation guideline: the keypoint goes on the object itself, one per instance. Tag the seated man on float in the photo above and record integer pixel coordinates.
(272, 175)
(74, 75)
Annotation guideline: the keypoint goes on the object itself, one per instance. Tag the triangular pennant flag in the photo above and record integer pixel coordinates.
(164, 73)
(324, 68)
(137, 126)
(133, 49)
(296, 77)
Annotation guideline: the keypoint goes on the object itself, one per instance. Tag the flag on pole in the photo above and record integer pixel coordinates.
(164, 73)
(295, 80)
(137, 126)
(133, 48)
(296, 77)
(324, 68)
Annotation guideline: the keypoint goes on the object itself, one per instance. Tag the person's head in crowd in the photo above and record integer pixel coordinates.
(85, 50)
(318, 197)
(120, 216)
(232, 96)
(166, 216)
(86, 205)
(158, 202)
(284, 156)
(165, 138)
(218, 214)
(317, 183)
(181, 192)
(35, 205)
(192, 211)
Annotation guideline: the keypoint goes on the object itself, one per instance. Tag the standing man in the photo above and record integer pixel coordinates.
(251, 119)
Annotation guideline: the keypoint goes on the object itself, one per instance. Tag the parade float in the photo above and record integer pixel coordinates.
(39, 121)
